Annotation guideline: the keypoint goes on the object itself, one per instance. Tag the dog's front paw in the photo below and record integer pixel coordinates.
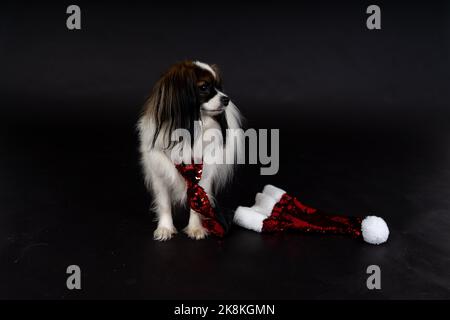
(196, 232)
(163, 233)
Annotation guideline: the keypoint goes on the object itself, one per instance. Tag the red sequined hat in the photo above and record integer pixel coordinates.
(276, 211)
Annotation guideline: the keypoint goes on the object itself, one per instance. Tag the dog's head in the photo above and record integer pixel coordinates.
(209, 89)
(187, 91)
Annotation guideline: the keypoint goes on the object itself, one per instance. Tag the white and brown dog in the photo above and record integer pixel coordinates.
(189, 93)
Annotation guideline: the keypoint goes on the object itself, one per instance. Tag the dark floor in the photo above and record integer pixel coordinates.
(73, 194)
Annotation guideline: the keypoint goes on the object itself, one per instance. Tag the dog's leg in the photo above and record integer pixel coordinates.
(194, 229)
(163, 207)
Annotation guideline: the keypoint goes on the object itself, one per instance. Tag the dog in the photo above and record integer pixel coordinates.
(188, 93)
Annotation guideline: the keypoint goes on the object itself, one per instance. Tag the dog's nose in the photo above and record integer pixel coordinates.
(225, 100)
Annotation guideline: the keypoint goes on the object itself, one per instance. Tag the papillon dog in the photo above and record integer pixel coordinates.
(188, 95)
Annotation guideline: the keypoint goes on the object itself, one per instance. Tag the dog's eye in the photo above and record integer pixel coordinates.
(204, 87)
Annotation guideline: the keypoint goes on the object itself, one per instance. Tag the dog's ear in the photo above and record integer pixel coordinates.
(174, 102)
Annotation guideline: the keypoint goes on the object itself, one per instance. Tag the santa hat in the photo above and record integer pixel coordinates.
(275, 210)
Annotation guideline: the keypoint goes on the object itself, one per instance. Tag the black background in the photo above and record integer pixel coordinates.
(363, 118)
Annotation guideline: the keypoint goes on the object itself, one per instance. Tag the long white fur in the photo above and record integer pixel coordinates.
(168, 186)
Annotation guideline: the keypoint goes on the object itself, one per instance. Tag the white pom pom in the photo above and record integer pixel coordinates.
(374, 230)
